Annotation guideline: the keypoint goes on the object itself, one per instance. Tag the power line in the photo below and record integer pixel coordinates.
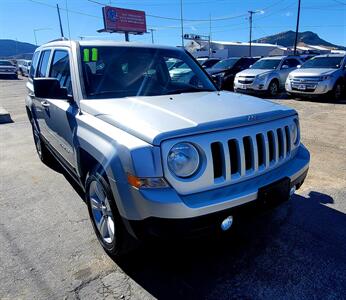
(179, 19)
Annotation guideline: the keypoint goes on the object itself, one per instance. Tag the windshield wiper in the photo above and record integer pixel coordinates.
(189, 90)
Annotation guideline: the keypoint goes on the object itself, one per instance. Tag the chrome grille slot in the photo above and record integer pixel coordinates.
(234, 156)
(218, 161)
(288, 140)
(271, 145)
(280, 143)
(248, 153)
(260, 149)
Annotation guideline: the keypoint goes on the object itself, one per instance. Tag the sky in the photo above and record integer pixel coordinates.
(229, 19)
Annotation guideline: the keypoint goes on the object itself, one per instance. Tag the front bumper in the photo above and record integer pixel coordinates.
(251, 88)
(316, 88)
(166, 203)
(199, 226)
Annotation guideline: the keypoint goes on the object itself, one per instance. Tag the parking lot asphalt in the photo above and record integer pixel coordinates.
(48, 249)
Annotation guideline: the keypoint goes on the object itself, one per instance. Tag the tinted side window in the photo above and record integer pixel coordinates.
(292, 63)
(43, 64)
(60, 69)
(34, 64)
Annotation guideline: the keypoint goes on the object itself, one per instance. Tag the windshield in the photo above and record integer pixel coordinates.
(266, 64)
(323, 62)
(117, 72)
(226, 63)
(5, 63)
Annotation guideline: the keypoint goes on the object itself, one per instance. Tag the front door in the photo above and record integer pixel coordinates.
(61, 121)
(41, 105)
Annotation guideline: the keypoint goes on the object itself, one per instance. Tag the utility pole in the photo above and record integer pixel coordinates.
(250, 40)
(152, 34)
(61, 31)
(182, 23)
(297, 29)
(209, 41)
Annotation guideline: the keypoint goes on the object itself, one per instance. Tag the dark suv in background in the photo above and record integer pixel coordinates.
(225, 70)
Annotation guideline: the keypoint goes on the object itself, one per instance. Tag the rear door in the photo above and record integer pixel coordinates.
(291, 64)
(61, 121)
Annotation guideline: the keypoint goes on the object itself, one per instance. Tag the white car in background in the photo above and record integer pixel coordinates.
(322, 75)
(8, 69)
(266, 76)
(24, 66)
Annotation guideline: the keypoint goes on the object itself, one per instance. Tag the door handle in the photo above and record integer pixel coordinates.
(45, 104)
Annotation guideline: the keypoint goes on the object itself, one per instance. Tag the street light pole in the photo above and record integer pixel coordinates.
(39, 29)
(35, 37)
(152, 34)
(297, 29)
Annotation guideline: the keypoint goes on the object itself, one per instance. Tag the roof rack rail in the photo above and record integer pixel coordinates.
(59, 39)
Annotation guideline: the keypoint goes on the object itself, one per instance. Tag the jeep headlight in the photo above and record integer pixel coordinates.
(183, 160)
(295, 132)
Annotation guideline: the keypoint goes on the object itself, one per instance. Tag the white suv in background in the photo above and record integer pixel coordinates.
(267, 75)
(321, 75)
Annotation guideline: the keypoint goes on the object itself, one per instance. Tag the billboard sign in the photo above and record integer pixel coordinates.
(124, 20)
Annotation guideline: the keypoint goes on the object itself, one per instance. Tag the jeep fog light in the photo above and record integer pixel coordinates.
(183, 160)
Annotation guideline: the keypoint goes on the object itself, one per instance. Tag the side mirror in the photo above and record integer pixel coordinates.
(284, 67)
(50, 88)
(299, 66)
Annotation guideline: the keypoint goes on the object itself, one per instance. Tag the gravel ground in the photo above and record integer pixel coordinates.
(48, 249)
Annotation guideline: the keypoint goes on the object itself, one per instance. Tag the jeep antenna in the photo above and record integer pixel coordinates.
(61, 30)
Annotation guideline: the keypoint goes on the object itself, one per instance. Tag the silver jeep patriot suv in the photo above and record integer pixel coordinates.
(158, 157)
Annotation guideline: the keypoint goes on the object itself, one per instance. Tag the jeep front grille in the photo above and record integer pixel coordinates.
(249, 154)
(234, 155)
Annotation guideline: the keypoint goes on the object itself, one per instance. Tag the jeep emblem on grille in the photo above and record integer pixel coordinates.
(251, 118)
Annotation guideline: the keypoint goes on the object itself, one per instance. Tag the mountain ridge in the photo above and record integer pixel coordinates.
(286, 39)
(15, 49)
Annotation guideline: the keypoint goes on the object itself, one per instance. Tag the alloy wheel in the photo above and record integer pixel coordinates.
(101, 212)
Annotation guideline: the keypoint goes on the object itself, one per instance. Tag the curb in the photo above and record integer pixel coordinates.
(5, 116)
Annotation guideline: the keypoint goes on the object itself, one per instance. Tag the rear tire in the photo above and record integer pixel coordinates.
(105, 218)
(43, 153)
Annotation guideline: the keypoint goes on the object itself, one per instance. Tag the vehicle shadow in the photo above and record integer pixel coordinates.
(297, 250)
(258, 259)
(285, 96)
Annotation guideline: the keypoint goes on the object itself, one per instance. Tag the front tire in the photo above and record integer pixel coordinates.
(273, 89)
(105, 218)
(337, 91)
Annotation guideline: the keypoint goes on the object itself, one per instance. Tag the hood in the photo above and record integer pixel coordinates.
(313, 72)
(156, 118)
(254, 72)
(214, 71)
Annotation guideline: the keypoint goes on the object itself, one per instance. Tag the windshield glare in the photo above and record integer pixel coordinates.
(226, 63)
(116, 72)
(323, 62)
(5, 63)
(266, 64)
